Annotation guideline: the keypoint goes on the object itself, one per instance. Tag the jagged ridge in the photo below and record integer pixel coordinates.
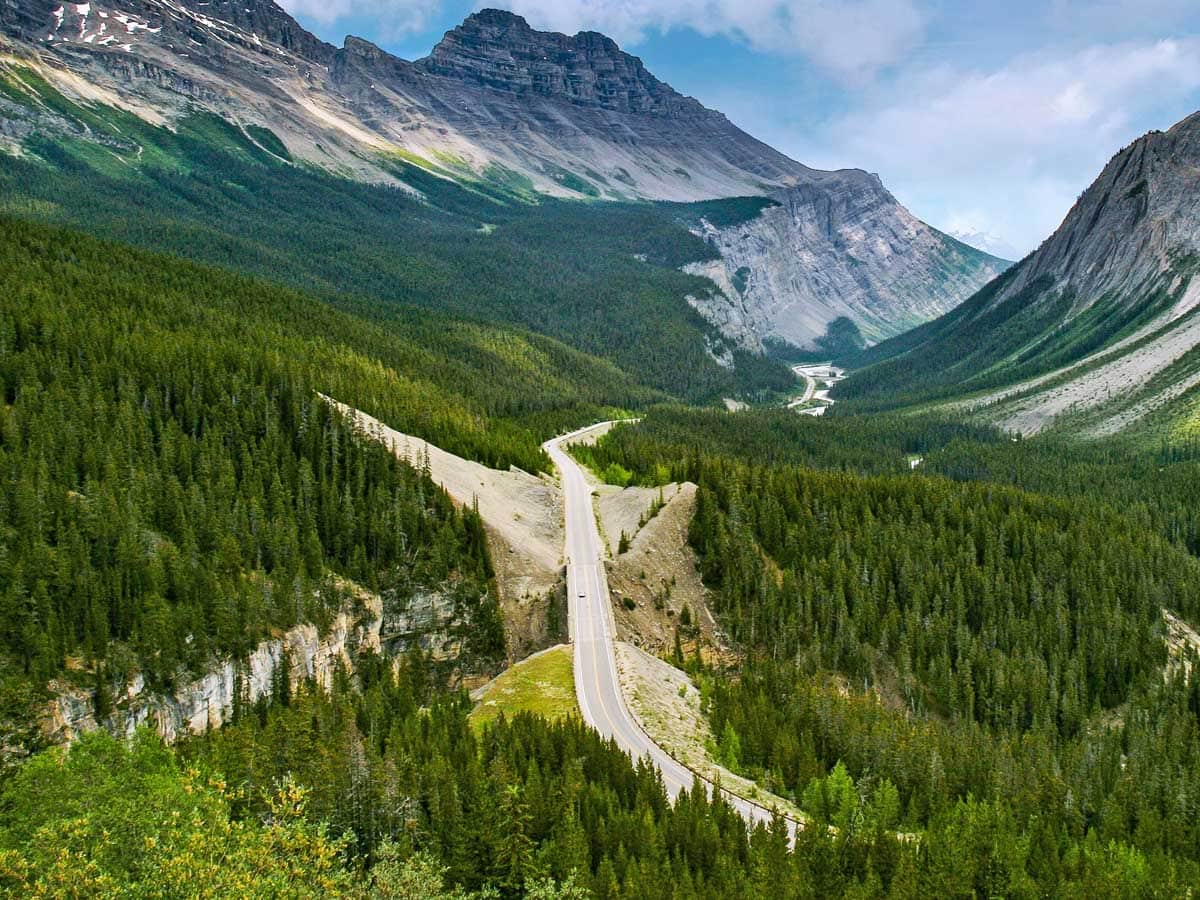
(499, 50)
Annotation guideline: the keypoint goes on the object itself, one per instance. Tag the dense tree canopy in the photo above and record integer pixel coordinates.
(939, 639)
(171, 484)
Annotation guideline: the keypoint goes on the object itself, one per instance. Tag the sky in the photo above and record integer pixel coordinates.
(980, 117)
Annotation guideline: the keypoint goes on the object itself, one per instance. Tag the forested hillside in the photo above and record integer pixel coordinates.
(934, 640)
(1154, 484)
(673, 437)
(173, 488)
(600, 277)
(987, 343)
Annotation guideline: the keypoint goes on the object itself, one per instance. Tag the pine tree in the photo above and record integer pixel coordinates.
(514, 853)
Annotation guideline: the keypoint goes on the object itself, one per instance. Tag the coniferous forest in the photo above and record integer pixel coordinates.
(955, 651)
(949, 647)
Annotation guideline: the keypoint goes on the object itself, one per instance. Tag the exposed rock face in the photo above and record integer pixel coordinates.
(499, 50)
(21, 19)
(573, 114)
(841, 246)
(727, 307)
(208, 701)
(1133, 224)
(568, 116)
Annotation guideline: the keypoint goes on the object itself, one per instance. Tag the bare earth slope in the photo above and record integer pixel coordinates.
(658, 574)
(667, 706)
(523, 517)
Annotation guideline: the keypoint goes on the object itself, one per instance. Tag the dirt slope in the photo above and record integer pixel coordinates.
(524, 520)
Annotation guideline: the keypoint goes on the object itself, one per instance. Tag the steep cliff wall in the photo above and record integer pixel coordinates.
(840, 247)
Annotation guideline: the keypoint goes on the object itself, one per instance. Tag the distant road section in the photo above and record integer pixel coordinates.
(814, 376)
(593, 631)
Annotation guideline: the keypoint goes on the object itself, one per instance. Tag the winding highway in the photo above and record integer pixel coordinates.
(593, 631)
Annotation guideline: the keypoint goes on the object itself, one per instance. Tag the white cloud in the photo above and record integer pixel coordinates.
(1020, 141)
(851, 38)
(395, 18)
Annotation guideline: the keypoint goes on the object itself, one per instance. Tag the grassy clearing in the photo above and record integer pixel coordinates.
(544, 685)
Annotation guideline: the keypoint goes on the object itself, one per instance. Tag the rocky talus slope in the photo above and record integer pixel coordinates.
(534, 112)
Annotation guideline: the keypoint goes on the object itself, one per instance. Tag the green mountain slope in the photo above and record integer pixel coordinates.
(600, 277)
(1096, 331)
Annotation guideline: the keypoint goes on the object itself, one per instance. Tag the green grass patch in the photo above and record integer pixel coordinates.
(543, 685)
(572, 182)
(269, 141)
(520, 186)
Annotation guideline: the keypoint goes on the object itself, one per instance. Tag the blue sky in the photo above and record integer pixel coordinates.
(979, 116)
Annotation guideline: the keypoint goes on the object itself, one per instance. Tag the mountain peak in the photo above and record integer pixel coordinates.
(500, 50)
(502, 22)
(364, 48)
(496, 18)
(987, 242)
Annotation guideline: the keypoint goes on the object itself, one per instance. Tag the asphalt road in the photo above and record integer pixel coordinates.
(810, 386)
(593, 631)
(826, 372)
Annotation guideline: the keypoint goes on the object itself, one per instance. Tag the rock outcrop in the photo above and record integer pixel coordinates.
(499, 50)
(1133, 224)
(208, 701)
(840, 246)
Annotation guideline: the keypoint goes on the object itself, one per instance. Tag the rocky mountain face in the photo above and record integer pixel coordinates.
(1098, 328)
(837, 247)
(500, 51)
(570, 116)
(1132, 225)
